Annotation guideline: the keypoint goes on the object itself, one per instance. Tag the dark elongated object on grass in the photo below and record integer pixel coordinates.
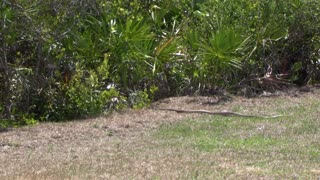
(223, 113)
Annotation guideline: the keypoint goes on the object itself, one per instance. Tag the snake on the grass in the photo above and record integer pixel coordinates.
(223, 113)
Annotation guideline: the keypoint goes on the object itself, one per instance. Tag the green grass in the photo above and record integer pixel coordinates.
(212, 134)
(281, 147)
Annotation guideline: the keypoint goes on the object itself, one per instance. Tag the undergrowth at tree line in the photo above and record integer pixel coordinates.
(71, 59)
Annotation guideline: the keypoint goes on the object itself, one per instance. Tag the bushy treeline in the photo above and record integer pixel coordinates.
(76, 58)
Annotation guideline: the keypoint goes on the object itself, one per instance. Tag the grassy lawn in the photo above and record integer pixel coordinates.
(285, 147)
(151, 144)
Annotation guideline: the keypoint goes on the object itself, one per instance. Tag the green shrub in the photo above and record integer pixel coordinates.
(58, 58)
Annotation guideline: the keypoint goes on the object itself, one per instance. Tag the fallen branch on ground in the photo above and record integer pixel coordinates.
(224, 113)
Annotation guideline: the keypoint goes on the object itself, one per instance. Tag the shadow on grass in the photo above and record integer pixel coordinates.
(3, 130)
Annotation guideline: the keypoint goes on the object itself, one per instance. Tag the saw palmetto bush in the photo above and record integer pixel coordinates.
(68, 59)
(285, 37)
(216, 44)
(221, 57)
(278, 38)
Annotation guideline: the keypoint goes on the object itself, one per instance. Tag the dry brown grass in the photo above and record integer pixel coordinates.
(123, 145)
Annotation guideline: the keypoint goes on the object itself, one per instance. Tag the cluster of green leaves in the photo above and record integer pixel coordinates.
(69, 59)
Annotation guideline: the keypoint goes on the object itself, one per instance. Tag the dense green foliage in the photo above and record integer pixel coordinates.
(67, 59)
